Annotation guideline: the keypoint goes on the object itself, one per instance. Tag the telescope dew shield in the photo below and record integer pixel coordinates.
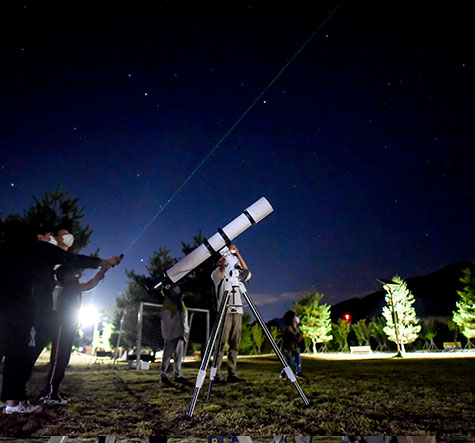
(252, 215)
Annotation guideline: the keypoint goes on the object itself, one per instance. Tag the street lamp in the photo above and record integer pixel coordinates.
(391, 286)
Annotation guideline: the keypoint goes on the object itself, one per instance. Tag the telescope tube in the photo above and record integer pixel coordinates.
(250, 216)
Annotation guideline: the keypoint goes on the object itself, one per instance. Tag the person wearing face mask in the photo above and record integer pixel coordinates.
(67, 309)
(175, 331)
(59, 325)
(47, 318)
(27, 280)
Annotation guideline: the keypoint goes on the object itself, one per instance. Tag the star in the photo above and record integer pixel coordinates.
(12, 184)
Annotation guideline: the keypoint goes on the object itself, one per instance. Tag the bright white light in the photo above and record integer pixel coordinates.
(88, 315)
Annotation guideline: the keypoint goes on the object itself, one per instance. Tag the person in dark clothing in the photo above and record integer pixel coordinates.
(27, 280)
(46, 317)
(292, 341)
(67, 309)
(175, 330)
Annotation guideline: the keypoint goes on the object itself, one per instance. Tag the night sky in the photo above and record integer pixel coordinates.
(362, 144)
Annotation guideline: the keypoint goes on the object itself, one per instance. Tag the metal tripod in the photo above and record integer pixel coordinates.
(232, 284)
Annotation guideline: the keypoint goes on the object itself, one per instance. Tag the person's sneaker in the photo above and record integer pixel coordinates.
(299, 375)
(234, 379)
(164, 380)
(24, 407)
(282, 374)
(182, 380)
(54, 399)
(219, 380)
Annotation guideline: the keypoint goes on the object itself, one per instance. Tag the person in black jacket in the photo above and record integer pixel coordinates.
(67, 310)
(27, 280)
(292, 343)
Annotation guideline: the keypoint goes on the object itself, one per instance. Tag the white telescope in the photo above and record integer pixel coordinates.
(250, 216)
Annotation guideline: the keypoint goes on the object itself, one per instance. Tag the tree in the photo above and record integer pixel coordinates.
(315, 319)
(428, 332)
(247, 343)
(401, 322)
(464, 316)
(258, 336)
(56, 208)
(454, 329)
(197, 288)
(276, 334)
(377, 325)
(340, 330)
(362, 332)
(139, 289)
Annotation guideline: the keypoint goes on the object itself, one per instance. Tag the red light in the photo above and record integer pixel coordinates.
(347, 317)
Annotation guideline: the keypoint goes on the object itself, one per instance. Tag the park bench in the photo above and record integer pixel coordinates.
(452, 346)
(360, 349)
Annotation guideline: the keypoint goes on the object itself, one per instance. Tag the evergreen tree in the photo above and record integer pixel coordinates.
(377, 325)
(362, 332)
(56, 208)
(401, 321)
(139, 289)
(258, 336)
(428, 332)
(247, 343)
(197, 289)
(276, 334)
(315, 319)
(341, 330)
(464, 316)
(454, 329)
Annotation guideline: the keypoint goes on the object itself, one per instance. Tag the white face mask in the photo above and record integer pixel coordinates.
(52, 240)
(68, 240)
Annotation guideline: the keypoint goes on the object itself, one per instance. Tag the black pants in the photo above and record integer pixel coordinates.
(15, 328)
(60, 355)
(45, 326)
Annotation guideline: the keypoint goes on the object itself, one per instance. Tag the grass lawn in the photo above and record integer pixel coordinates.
(367, 396)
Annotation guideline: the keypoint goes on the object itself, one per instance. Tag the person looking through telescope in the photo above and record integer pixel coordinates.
(233, 321)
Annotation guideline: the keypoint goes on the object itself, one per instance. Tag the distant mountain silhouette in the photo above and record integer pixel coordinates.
(435, 294)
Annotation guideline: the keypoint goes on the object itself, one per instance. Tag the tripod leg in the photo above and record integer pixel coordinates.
(287, 368)
(214, 364)
(204, 364)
